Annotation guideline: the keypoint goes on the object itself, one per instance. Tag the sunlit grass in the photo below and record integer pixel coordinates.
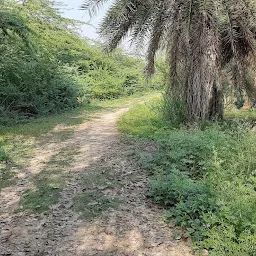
(46, 191)
(243, 114)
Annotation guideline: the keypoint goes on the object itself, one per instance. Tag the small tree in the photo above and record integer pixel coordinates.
(200, 38)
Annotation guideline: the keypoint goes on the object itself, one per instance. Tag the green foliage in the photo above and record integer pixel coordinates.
(111, 76)
(26, 94)
(12, 24)
(189, 199)
(172, 108)
(205, 175)
(181, 33)
(47, 68)
(160, 80)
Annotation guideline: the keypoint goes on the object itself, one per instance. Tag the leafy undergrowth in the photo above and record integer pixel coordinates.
(205, 176)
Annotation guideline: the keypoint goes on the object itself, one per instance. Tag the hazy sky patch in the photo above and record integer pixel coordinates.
(73, 11)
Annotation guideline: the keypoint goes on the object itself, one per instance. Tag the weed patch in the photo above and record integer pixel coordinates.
(204, 175)
(6, 175)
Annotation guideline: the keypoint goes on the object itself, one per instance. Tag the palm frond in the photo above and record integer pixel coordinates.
(92, 6)
(120, 19)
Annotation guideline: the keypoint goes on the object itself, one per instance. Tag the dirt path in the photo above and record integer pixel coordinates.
(102, 209)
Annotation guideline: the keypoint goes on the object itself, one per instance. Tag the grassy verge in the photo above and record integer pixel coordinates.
(205, 176)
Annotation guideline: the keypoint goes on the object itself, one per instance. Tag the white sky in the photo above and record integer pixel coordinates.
(90, 31)
(73, 12)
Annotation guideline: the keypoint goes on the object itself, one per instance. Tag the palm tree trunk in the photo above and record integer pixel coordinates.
(216, 108)
(203, 91)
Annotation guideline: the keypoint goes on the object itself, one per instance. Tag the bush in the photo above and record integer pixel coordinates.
(189, 200)
(172, 108)
(49, 68)
(103, 84)
(32, 89)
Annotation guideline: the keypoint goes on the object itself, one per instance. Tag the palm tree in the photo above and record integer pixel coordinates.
(200, 37)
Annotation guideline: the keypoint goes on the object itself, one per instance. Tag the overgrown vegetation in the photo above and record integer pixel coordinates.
(47, 68)
(204, 175)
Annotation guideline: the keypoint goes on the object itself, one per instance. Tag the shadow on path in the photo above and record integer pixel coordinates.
(101, 208)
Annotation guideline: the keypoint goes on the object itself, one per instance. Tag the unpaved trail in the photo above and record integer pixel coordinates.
(130, 228)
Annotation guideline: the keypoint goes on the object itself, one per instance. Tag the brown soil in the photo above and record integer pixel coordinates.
(133, 228)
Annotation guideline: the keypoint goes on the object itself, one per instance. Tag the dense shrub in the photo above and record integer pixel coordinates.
(49, 68)
(31, 88)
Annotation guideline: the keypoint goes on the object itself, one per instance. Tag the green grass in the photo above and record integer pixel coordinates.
(204, 175)
(48, 184)
(43, 125)
(92, 201)
(6, 175)
(242, 114)
(143, 120)
(46, 191)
